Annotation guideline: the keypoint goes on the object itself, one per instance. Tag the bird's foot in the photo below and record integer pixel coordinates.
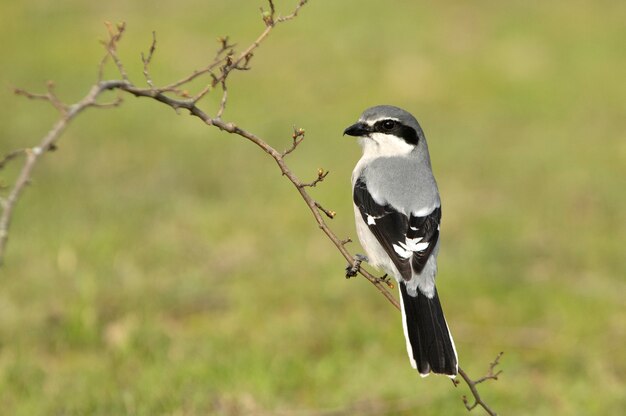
(353, 269)
(386, 280)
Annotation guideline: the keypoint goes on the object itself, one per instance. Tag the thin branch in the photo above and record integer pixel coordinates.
(224, 46)
(330, 214)
(490, 373)
(47, 143)
(147, 60)
(30, 95)
(112, 104)
(50, 96)
(297, 137)
(8, 204)
(321, 175)
(10, 156)
(54, 99)
(219, 59)
(268, 16)
(228, 62)
(222, 106)
(294, 14)
(478, 401)
(115, 34)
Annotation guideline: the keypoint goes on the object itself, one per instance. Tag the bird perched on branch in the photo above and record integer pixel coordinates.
(398, 212)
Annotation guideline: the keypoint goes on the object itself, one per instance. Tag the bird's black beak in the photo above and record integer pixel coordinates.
(358, 129)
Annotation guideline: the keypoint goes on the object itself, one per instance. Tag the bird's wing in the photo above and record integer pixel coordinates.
(409, 241)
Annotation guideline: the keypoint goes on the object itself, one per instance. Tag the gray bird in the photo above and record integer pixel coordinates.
(397, 211)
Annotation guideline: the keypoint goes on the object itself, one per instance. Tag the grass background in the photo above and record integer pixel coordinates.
(160, 267)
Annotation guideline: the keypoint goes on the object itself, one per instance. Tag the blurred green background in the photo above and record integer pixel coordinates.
(160, 267)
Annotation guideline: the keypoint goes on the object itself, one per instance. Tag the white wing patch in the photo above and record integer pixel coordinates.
(410, 246)
(371, 220)
(402, 252)
(427, 210)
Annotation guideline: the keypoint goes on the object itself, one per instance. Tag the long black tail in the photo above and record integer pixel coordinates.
(429, 343)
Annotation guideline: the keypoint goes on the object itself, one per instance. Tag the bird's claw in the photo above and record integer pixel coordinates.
(385, 279)
(353, 269)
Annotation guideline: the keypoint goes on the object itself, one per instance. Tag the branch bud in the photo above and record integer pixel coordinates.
(299, 132)
(267, 17)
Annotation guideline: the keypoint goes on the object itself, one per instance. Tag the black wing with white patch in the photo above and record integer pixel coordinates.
(409, 241)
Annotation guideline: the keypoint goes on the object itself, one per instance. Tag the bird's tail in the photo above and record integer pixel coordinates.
(428, 340)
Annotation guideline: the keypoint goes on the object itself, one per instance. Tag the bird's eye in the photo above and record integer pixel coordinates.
(388, 124)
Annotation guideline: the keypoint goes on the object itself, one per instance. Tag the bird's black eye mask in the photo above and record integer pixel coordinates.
(394, 127)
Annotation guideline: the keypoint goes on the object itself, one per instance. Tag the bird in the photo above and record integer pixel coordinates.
(397, 212)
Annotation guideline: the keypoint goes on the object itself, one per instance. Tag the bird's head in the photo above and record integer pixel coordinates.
(386, 130)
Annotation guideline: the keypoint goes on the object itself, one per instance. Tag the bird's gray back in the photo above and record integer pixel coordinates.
(406, 183)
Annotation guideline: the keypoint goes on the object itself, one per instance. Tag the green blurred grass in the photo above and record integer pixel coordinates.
(160, 267)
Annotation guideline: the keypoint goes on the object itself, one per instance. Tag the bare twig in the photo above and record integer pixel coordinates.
(33, 154)
(321, 175)
(147, 60)
(49, 96)
(268, 17)
(30, 95)
(330, 214)
(224, 46)
(478, 401)
(10, 156)
(297, 138)
(490, 373)
(225, 57)
(115, 34)
(293, 14)
(54, 99)
(222, 107)
(111, 104)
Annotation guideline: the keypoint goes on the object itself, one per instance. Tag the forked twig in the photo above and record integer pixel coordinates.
(321, 175)
(478, 401)
(297, 137)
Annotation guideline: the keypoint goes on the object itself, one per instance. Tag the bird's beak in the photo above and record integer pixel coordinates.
(358, 129)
